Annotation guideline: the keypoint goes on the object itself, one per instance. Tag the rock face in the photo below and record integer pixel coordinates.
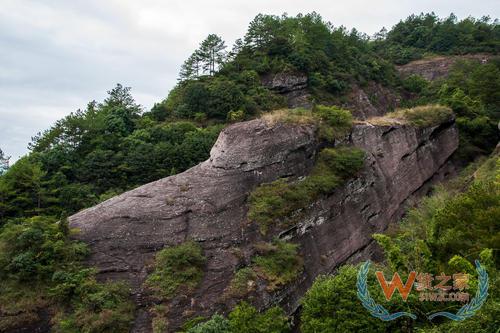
(207, 203)
(371, 100)
(437, 67)
(292, 86)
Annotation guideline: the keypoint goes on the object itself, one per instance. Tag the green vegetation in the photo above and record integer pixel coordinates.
(277, 262)
(277, 203)
(216, 83)
(177, 269)
(331, 305)
(471, 91)
(113, 146)
(419, 116)
(444, 233)
(244, 318)
(41, 269)
(424, 34)
(94, 154)
(242, 283)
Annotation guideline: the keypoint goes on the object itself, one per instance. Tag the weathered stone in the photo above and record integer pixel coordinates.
(292, 86)
(207, 203)
(437, 67)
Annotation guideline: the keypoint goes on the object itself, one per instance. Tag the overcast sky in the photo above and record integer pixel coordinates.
(55, 56)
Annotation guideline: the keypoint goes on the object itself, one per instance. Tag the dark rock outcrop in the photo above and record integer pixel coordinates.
(437, 67)
(207, 203)
(292, 86)
(371, 100)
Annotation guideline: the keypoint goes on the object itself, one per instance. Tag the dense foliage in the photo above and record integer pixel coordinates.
(94, 154)
(177, 269)
(40, 269)
(472, 91)
(331, 305)
(444, 233)
(244, 318)
(331, 57)
(109, 147)
(422, 34)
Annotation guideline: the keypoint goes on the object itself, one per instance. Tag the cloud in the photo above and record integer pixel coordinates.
(55, 56)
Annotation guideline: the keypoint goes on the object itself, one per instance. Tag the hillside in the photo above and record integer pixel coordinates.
(244, 200)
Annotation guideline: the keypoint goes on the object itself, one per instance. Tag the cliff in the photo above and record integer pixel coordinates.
(207, 203)
(437, 67)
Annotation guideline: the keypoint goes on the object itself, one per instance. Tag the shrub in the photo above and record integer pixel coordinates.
(278, 262)
(335, 122)
(242, 283)
(281, 200)
(33, 249)
(177, 267)
(419, 116)
(216, 324)
(244, 318)
(415, 83)
(99, 307)
(234, 116)
(296, 116)
(331, 305)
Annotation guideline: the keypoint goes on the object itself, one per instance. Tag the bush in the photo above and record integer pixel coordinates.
(216, 324)
(335, 122)
(415, 84)
(242, 283)
(419, 116)
(296, 116)
(234, 116)
(100, 307)
(332, 305)
(244, 318)
(33, 249)
(280, 200)
(177, 268)
(278, 262)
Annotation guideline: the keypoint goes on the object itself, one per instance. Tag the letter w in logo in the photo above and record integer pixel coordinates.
(396, 282)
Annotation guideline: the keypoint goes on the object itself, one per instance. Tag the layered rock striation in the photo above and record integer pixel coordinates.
(208, 204)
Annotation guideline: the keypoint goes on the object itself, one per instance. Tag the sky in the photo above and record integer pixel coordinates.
(56, 56)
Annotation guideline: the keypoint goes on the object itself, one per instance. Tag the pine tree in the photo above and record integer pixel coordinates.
(4, 162)
(212, 53)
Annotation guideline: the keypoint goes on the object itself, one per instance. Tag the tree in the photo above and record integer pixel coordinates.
(191, 68)
(4, 162)
(211, 53)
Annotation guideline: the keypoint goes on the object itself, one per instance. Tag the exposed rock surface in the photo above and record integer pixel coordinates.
(437, 67)
(207, 203)
(292, 86)
(371, 100)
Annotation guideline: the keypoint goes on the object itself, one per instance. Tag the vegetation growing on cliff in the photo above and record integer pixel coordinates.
(277, 262)
(472, 91)
(40, 269)
(244, 318)
(177, 269)
(443, 234)
(279, 202)
(96, 153)
(419, 116)
(109, 147)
